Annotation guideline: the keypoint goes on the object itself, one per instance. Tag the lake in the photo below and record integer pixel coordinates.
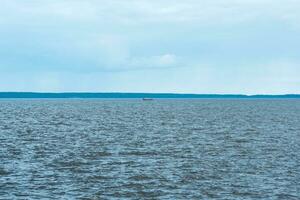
(161, 149)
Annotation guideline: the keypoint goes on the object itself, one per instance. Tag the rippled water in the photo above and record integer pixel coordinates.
(162, 149)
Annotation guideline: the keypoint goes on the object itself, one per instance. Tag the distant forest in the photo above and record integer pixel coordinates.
(136, 95)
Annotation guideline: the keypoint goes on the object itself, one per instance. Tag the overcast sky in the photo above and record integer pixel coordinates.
(190, 46)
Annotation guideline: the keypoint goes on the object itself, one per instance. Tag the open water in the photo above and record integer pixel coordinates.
(161, 149)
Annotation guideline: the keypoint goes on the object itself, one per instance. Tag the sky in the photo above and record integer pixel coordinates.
(190, 46)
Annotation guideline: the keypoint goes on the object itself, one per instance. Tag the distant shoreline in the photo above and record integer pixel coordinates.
(83, 95)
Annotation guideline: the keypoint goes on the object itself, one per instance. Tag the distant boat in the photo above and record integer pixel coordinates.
(147, 99)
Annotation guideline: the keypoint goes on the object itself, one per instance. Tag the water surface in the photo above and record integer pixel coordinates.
(163, 149)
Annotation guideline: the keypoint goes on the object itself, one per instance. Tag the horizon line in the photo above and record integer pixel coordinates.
(114, 92)
(136, 95)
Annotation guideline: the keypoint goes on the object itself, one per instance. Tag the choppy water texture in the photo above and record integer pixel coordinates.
(162, 149)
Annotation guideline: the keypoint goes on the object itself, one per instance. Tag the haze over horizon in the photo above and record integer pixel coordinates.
(195, 46)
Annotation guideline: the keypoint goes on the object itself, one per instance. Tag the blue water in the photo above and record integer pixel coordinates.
(162, 149)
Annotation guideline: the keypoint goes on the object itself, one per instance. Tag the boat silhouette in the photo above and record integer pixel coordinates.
(147, 99)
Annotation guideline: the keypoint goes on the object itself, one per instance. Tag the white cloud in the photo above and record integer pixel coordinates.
(161, 61)
(150, 11)
(167, 59)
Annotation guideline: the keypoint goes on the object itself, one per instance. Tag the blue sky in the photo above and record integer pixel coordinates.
(191, 46)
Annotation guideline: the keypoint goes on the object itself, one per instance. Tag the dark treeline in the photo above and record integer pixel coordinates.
(133, 95)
